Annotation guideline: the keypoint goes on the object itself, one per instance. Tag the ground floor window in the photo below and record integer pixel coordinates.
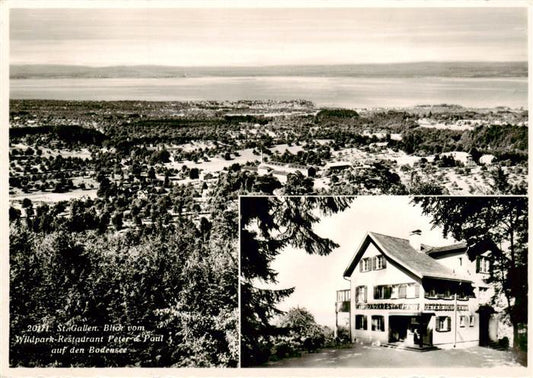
(444, 324)
(378, 323)
(462, 321)
(472, 320)
(361, 322)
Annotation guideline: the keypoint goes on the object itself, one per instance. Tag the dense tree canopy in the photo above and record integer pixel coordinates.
(268, 225)
(178, 286)
(158, 247)
(177, 279)
(496, 224)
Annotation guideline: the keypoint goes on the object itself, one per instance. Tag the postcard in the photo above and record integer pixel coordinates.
(243, 188)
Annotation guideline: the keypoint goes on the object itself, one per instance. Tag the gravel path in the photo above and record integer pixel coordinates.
(366, 356)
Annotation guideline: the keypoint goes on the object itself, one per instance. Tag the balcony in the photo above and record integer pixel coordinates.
(342, 303)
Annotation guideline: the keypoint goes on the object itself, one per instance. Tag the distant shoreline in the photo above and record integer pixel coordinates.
(395, 70)
(344, 92)
(304, 103)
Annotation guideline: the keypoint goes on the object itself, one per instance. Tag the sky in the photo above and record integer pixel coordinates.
(317, 278)
(252, 37)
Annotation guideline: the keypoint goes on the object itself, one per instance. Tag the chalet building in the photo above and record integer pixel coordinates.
(405, 293)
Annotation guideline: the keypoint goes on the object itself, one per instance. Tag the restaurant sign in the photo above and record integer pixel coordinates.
(387, 306)
(443, 307)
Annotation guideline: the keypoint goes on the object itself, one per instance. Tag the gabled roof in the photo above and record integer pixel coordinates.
(444, 250)
(400, 251)
(335, 164)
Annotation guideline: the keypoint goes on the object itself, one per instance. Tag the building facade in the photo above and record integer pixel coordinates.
(405, 293)
(282, 170)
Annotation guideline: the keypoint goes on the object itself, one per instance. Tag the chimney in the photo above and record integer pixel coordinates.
(415, 239)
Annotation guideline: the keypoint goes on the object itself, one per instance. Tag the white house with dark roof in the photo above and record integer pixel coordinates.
(405, 293)
(282, 170)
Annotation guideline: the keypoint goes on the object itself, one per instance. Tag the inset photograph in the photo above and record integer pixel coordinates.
(386, 282)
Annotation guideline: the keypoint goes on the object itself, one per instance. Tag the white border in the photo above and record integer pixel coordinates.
(265, 4)
(5, 5)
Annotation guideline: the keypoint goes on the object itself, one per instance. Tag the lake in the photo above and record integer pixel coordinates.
(349, 92)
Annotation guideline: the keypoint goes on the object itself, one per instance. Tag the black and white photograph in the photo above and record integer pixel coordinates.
(386, 282)
(203, 185)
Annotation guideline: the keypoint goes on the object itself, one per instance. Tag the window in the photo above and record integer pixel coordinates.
(365, 265)
(464, 292)
(443, 324)
(343, 295)
(378, 323)
(382, 292)
(394, 292)
(483, 264)
(360, 322)
(472, 320)
(447, 292)
(413, 291)
(379, 262)
(462, 321)
(460, 261)
(402, 291)
(360, 294)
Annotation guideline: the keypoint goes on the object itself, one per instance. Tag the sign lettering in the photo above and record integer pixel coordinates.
(387, 306)
(444, 307)
(410, 306)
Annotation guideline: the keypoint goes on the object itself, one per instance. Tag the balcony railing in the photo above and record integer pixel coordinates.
(343, 295)
(342, 304)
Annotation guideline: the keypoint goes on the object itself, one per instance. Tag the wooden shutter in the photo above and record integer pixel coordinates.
(361, 265)
(478, 263)
(402, 291)
(384, 261)
(366, 296)
(448, 323)
(417, 290)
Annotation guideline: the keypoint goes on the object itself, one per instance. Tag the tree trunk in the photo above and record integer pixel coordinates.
(516, 346)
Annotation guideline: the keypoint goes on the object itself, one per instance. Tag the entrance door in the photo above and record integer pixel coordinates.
(425, 330)
(484, 328)
(398, 328)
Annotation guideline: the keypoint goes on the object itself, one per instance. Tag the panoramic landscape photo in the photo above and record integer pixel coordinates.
(133, 132)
